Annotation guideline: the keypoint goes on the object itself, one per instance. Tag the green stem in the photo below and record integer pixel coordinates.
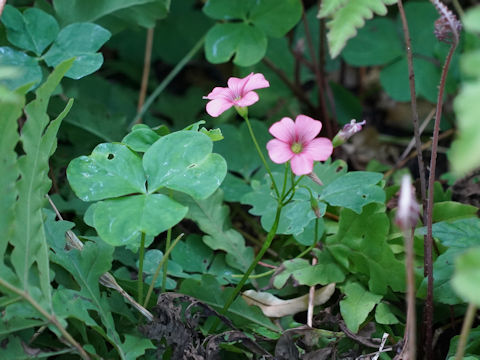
(141, 255)
(165, 263)
(264, 161)
(266, 245)
(159, 266)
(180, 65)
(467, 324)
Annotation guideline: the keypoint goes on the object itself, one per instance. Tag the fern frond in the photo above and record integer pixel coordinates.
(346, 17)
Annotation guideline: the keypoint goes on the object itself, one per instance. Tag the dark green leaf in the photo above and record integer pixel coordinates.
(245, 43)
(81, 41)
(33, 30)
(30, 71)
(227, 10)
(266, 14)
(192, 254)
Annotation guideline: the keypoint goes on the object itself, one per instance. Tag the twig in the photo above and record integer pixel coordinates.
(50, 317)
(413, 100)
(446, 29)
(180, 65)
(467, 324)
(411, 326)
(380, 349)
(146, 71)
(411, 144)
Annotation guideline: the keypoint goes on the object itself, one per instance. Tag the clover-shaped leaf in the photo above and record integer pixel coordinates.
(111, 170)
(33, 30)
(121, 221)
(183, 161)
(82, 41)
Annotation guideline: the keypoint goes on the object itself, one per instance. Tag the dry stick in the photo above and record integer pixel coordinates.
(50, 317)
(431, 180)
(413, 100)
(467, 324)
(411, 144)
(146, 72)
(318, 77)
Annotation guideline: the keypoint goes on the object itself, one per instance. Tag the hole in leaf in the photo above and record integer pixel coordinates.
(110, 156)
(191, 166)
(340, 168)
(364, 196)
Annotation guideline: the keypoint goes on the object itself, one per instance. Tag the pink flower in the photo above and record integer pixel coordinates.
(238, 93)
(295, 141)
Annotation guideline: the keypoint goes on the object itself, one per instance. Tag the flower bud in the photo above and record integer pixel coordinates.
(408, 210)
(347, 131)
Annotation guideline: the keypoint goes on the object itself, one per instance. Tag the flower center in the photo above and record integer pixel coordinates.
(296, 147)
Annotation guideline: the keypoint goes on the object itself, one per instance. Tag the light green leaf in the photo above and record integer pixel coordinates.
(245, 43)
(121, 221)
(29, 70)
(471, 21)
(212, 218)
(356, 305)
(360, 246)
(383, 315)
(347, 17)
(266, 14)
(208, 290)
(33, 30)
(81, 41)
(140, 138)
(354, 190)
(111, 170)
(39, 142)
(183, 161)
(467, 276)
(134, 347)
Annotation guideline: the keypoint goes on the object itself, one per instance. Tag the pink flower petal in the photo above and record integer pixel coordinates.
(247, 99)
(218, 106)
(306, 128)
(279, 151)
(236, 85)
(220, 92)
(255, 81)
(318, 149)
(284, 130)
(301, 164)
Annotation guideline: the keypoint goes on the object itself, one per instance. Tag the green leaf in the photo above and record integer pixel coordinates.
(360, 246)
(472, 345)
(300, 270)
(140, 138)
(471, 20)
(121, 221)
(33, 30)
(69, 303)
(134, 346)
(86, 267)
(208, 290)
(266, 14)
(30, 71)
(354, 190)
(183, 161)
(38, 137)
(81, 41)
(452, 210)
(356, 305)
(9, 138)
(464, 151)
(245, 43)
(383, 315)
(467, 276)
(307, 236)
(212, 218)
(381, 38)
(192, 254)
(111, 170)
(115, 13)
(231, 10)
(347, 16)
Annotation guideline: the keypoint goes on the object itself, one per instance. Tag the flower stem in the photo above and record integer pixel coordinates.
(467, 324)
(165, 263)
(266, 245)
(411, 326)
(260, 153)
(159, 266)
(141, 255)
(146, 70)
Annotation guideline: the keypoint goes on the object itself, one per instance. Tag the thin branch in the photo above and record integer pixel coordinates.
(467, 325)
(146, 71)
(413, 100)
(50, 317)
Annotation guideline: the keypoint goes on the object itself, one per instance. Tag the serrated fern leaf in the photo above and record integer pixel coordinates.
(346, 17)
(9, 138)
(38, 138)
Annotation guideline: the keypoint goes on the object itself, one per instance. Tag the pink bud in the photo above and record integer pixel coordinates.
(408, 210)
(348, 131)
